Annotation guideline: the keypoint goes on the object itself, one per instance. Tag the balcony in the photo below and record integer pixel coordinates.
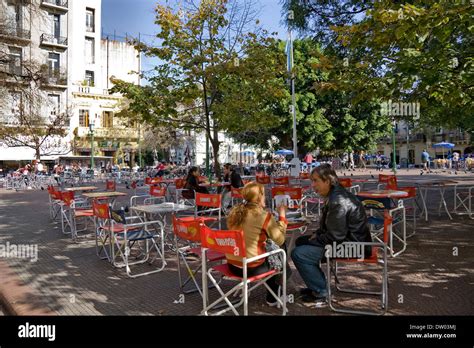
(15, 35)
(112, 133)
(54, 79)
(58, 5)
(53, 41)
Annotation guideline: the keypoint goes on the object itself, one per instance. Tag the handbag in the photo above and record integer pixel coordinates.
(275, 260)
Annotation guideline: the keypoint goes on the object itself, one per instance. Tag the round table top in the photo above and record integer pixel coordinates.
(383, 194)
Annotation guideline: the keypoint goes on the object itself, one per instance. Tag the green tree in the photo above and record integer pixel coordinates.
(326, 117)
(418, 50)
(216, 72)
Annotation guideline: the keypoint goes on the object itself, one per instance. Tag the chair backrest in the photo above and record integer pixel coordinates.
(100, 210)
(67, 197)
(208, 200)
(224, 241)
(110, 185)
(389, 180)
(410, 190)
(263, 179)
(345, 182)
(236, 193)
(188, 230)
(304, 176)
(157, 191)
(56, 194)
(294, 192)
(179, 183)
(283, 180)
(156, 180)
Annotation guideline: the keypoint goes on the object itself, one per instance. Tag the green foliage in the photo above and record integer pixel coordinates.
(419, 51)
(326, 117)
(214, 74)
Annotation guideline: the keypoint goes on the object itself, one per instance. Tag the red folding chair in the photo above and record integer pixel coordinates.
(347, 184)
(190, 233)
(388, 181)
(122, 238)
(282, 181)
(71, 211)
(380, 261)
(110, 185)
(156, 193)
(233, 242)
(235, 193)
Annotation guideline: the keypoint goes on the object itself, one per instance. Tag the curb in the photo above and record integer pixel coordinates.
(15, 297)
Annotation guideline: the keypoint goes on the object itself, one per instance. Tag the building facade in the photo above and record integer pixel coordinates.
(410, 143)
(63, 39)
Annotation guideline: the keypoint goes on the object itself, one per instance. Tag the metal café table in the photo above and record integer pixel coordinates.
(104, 195)
(161, 210)
(425, 185)
(383, 194)
(81, 188)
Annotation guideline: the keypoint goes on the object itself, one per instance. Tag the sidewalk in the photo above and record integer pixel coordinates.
(69, 279)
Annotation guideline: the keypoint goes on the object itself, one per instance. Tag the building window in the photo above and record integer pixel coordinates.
(16, 103)
(53, 64)
(89, 50)
(90, 17)
(84, 118)
(107, 119)
(15, 60)
(54, 104)
(56, 29)
(89, 78)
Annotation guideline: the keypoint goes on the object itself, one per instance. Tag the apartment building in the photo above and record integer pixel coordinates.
(33, 64)
(62, 40)
(410, 143)
(95, 59)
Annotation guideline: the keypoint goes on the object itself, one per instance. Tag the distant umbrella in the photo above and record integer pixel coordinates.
(248, 153)
(444, 145)
(284, 152)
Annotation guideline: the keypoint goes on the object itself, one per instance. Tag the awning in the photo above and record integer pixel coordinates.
(16, 153)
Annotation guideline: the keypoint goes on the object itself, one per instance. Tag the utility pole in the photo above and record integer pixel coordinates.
(295, 165)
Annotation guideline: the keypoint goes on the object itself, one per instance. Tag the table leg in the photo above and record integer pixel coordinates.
(443, 201)
(423, 194)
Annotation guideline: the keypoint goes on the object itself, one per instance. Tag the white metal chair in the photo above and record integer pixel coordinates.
(233, 242)
(124, 236)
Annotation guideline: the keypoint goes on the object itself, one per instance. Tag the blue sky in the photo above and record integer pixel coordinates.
(134, 16)
(130, 17)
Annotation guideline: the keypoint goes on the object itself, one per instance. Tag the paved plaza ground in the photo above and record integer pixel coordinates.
(433, 277)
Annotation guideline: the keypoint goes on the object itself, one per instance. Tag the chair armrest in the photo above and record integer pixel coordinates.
(265, 255)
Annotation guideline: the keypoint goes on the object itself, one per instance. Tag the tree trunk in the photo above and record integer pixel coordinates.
(215, 151)
(37, 153)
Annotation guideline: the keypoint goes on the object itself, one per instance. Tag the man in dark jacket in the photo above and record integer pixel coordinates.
(231, 176)
(343, 220)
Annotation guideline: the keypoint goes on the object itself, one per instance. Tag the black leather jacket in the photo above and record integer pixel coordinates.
(343, 219)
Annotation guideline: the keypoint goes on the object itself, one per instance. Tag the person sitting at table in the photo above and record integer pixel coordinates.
(343, 220)
(258, 225)
(192, 184)
(233, 177)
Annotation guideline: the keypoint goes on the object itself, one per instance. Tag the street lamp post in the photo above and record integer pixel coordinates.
(394, 158)
(91, 133)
